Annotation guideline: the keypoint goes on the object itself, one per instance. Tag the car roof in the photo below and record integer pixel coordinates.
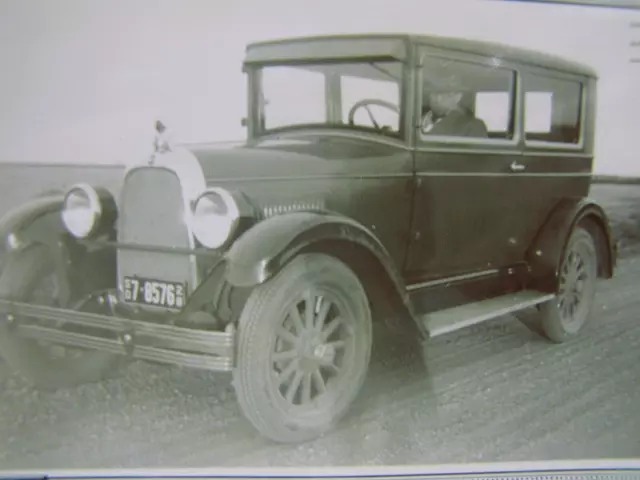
(396, 45)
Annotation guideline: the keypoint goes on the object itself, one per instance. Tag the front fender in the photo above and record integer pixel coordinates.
(266, 248)
(546, 252)
(20, 218)
(39, 221)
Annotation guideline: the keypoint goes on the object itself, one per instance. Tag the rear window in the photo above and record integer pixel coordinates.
(552, 109)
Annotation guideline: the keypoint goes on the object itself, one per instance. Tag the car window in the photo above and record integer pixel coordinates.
(465, 100)
(363, 95)
(552, 109)
(285, 89)
(357, 89)
(493, 109)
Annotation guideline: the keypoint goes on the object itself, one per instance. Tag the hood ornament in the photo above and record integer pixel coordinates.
(160, 142)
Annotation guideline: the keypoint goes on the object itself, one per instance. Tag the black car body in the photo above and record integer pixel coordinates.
(428, 229)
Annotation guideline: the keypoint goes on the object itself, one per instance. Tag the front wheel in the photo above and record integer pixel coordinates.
(304, 348)
(29, 276)
(566, 315)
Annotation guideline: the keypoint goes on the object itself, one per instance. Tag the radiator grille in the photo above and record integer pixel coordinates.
(152, 212)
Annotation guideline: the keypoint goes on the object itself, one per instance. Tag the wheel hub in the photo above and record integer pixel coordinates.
(324, 353)
(313, 352)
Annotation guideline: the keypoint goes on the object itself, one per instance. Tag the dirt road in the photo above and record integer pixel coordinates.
(494, 392)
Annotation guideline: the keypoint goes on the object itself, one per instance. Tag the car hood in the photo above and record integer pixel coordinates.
(306, 156)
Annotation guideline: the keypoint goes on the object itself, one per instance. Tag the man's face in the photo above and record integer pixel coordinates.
(442, 102)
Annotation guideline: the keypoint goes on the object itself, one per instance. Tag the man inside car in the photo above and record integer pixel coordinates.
(446, 116)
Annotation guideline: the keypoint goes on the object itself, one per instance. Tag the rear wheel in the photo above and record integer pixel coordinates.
(304, 347)
(566, 315)
(29, 276)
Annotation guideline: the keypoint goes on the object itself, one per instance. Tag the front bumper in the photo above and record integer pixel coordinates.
(161, 343)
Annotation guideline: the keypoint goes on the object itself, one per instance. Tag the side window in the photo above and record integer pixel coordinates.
(494, 109)
(552, 109)
(464, 99)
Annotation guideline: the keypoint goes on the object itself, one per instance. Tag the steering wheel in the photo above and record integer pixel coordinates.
(364, 103)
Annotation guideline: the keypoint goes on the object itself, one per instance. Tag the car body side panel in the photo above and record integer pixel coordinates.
(548, 178)
(464, 212)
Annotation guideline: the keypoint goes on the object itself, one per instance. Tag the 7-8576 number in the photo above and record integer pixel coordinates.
(154, 292)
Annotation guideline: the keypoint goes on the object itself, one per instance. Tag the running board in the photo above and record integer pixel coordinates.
(452, 319)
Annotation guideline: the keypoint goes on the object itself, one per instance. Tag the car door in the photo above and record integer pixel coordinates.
(557, 157)
(465, 206)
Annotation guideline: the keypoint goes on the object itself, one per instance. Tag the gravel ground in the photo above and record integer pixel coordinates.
(494, 392)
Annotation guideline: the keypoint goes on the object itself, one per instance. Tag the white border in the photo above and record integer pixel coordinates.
(506, 468)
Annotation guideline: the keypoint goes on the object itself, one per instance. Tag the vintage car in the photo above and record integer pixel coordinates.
(431, 183)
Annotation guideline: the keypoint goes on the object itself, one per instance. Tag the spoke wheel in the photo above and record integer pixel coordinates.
(314, 347)
(29, 276)
(304, 349)
(566, 315)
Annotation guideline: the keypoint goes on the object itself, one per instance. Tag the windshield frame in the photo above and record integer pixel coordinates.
(256, 111)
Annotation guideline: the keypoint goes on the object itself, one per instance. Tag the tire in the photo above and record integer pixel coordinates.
(560, 321)
(23, 272)
(268, 312)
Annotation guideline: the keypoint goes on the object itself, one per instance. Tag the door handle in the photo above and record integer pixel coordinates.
(516, 167)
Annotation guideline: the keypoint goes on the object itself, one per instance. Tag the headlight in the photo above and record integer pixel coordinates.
(215, 217)
(86, 210)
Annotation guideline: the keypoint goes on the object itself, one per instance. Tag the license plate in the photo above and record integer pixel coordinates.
(157, 293)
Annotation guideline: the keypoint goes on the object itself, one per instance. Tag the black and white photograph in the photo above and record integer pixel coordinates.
(325, 234)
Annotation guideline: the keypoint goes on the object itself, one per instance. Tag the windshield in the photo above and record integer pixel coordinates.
(360, 95)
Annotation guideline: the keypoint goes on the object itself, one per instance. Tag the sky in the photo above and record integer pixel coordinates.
(84, 80)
